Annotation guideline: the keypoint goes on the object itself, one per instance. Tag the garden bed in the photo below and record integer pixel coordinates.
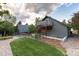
(5, 37)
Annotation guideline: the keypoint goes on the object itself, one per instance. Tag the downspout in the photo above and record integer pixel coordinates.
(65, 38)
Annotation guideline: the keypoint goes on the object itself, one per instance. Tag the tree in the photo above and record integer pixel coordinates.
(6, 28)
(64, 21)
(75, 21)
(5, 15)
(0, 7)
(2, 12)
(37, 35)
(69, 24)
(31, 28)
(12, 19)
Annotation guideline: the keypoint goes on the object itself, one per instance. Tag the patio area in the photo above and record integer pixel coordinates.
(72, 46)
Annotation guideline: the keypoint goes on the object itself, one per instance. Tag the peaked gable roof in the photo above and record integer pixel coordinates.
(54, 20)
(20, 23)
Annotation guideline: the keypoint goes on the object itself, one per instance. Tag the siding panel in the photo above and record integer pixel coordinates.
(58, 30)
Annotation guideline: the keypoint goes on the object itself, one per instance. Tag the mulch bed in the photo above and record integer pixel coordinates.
(5, 37)
(53, 42)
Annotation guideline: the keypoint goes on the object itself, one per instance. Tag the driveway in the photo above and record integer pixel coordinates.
(72, 46)
(5, 49)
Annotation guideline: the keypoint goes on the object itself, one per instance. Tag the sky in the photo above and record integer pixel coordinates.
(65, 11)
(29, 11)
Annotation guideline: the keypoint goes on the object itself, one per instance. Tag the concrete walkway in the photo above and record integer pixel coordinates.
(72, 46)
(5, 49)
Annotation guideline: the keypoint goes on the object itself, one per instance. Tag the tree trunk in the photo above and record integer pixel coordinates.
(4, 33)
(78, 32)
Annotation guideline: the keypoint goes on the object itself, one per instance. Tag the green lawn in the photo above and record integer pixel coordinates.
(30, 47)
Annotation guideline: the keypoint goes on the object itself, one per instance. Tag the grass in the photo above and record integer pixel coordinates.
(31, 47)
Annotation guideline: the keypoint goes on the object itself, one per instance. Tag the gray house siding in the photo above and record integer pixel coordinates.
(59, 30)
(23, 28)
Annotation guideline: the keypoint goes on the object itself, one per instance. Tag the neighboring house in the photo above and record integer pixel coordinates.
(74, 31)
(22, 28)
(52, 28)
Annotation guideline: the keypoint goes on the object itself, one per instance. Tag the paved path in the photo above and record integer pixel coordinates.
(72, 46)
(5, 49)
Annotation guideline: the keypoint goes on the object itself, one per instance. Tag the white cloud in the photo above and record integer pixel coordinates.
(28, 12)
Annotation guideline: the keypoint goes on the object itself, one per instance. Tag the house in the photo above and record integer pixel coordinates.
(22, 28)
(50, 27)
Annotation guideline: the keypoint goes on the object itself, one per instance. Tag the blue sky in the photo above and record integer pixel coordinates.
(65, 11)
